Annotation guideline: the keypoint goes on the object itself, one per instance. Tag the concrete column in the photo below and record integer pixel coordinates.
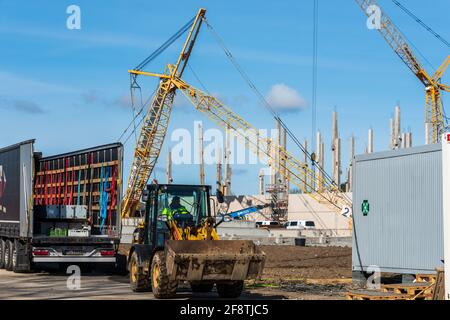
(322, 152)
(227, 186)
(404, 142)
(201, 157)
(392, 134)
(169, 167)
(350, 166)
(276, 153)
(370, 141)
(305, 171)
(219, 169)
(398, 134)
(338, 163)
(283, 159)
(319, 161)
(261, 181)
(335, 148)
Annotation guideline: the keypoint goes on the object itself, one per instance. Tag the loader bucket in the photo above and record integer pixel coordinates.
(197, 260)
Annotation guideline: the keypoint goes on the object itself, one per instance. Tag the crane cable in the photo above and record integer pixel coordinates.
(165, 45)
(133, 78)
(134, 118)
(416, 49)
(423, 24)
(266, 103)
(133, 87)
(314, 74)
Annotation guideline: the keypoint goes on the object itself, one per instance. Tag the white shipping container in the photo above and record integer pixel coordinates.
(397, 211)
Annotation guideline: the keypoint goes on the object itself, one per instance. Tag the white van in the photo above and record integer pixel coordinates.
(267, 224)
(300, 224)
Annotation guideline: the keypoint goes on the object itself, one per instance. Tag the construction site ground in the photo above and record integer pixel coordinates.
(291, 272)
(296, 272)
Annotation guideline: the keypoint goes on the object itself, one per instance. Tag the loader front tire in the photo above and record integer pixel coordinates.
(139, 280)
(162, 287)
(230, 289)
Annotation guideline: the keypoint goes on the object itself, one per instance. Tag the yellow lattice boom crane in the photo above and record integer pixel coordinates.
(156, 121)
(319, 186)
(434, 119)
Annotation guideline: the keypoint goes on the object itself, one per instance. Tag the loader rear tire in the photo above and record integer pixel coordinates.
(139, 280)
(162, 287)
(201, 287)
(232, 289)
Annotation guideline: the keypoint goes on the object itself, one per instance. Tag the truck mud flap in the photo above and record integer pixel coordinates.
(23, 256)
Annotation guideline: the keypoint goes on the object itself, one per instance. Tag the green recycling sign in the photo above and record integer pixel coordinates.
(365, 207)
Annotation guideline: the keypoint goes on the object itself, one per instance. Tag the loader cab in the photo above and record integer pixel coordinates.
(163, 198)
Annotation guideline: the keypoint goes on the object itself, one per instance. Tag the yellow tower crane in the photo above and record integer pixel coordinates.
(434, 120)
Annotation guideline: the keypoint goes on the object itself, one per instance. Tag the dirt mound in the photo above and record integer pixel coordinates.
(294, 262)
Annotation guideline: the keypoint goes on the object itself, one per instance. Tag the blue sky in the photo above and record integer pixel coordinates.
(68, 88)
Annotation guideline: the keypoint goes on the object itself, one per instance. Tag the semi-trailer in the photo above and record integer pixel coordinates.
(61, 209)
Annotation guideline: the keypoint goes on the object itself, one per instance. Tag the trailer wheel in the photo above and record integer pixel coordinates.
(162, 287)
(139, 280)
(231, 289)
(13, 256)
(201, 287)
(8, 255)
(2, 253)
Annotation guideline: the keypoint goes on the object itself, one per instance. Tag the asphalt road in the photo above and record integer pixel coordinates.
(51, 284)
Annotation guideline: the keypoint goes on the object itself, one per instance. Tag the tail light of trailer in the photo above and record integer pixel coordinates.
(40, 252)
(107, 253)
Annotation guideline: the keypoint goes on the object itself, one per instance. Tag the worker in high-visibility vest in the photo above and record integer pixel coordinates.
(175, 207)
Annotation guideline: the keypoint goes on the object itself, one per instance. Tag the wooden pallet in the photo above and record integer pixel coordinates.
(439, 292)
(426, 286)
(418, 290)
(431, 278)
(375, 295)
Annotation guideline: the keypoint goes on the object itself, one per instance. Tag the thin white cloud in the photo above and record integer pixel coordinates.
(91, 38)
(17, 85)
(285, 98)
